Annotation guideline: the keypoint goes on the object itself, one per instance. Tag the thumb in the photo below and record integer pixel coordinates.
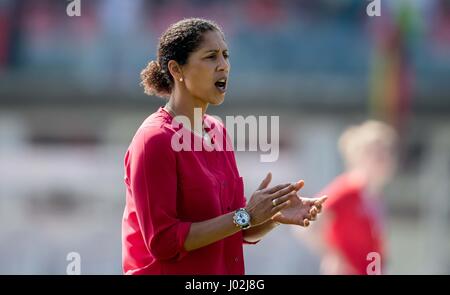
(299, 185)
(321, 200)
(315, 201)
(265, 183)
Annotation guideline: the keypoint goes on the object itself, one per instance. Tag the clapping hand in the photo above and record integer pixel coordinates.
(301, 211)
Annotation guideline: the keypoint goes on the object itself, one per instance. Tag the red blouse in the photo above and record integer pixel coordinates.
(166, 191)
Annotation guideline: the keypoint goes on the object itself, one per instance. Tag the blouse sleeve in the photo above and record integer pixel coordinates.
(153, 180)
(242, 199)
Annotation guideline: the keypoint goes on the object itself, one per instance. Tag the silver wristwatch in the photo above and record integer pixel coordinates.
(241, 218)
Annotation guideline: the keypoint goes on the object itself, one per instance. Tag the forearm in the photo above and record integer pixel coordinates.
(256, 233)
(209, 231)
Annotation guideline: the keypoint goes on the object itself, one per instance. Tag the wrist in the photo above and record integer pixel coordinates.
(242, 219)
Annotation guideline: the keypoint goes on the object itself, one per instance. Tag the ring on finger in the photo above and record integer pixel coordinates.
(274, 202)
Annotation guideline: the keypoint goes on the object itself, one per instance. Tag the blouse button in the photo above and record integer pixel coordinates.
(236, 259)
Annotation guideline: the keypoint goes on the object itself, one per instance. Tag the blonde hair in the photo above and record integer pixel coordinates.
(355, 139)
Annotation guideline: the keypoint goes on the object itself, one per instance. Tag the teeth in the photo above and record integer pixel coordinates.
(221, 84)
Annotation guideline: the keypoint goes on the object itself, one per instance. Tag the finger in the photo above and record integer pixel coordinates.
(310, 216)
(291, 187)
(265, 181)
(284, 198)
(321, 200)
(318, 203)
(315, 201)
(276, 188)
(275, 216)
(318, 206)
(313, 213)
(308, 201)
(300, 185)
(280, 207)
(305, 222)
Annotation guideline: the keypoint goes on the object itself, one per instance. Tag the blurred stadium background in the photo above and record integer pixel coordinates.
(70, 104)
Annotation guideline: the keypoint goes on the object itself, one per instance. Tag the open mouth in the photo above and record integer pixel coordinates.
(221, 85)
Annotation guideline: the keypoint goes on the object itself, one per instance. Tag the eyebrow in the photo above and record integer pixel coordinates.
(215, 50)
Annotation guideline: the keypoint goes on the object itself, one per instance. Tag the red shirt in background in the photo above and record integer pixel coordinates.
(354, 230)
(166, 191)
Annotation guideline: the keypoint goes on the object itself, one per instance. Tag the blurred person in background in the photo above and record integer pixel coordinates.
(185, 211)
(350, 235)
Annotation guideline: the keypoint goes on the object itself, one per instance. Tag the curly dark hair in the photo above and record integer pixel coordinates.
(176, 43)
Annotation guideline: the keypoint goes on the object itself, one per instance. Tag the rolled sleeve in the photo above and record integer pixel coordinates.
(154, 187)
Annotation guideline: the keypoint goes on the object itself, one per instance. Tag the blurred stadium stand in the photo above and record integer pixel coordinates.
(283, 49)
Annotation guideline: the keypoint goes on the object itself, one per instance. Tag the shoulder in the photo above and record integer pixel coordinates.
(343, 190)
(154, 133)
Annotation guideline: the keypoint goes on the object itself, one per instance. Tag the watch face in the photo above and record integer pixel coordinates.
(242, 218)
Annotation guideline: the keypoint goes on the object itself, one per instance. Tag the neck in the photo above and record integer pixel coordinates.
(185, 106)
(370, 184)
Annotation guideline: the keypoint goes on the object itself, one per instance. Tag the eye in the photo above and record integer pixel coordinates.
(211, 57)
(226, 55)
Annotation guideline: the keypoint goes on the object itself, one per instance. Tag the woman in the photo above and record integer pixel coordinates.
(352, 229)
(185, 210)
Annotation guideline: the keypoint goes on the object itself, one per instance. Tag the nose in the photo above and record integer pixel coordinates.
(224, 64)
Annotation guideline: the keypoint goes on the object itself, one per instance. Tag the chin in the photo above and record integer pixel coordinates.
(217, 100)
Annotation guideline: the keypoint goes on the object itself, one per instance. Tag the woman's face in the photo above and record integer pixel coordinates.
(206, 71)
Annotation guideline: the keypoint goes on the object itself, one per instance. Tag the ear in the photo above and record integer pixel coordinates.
(175, 70)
